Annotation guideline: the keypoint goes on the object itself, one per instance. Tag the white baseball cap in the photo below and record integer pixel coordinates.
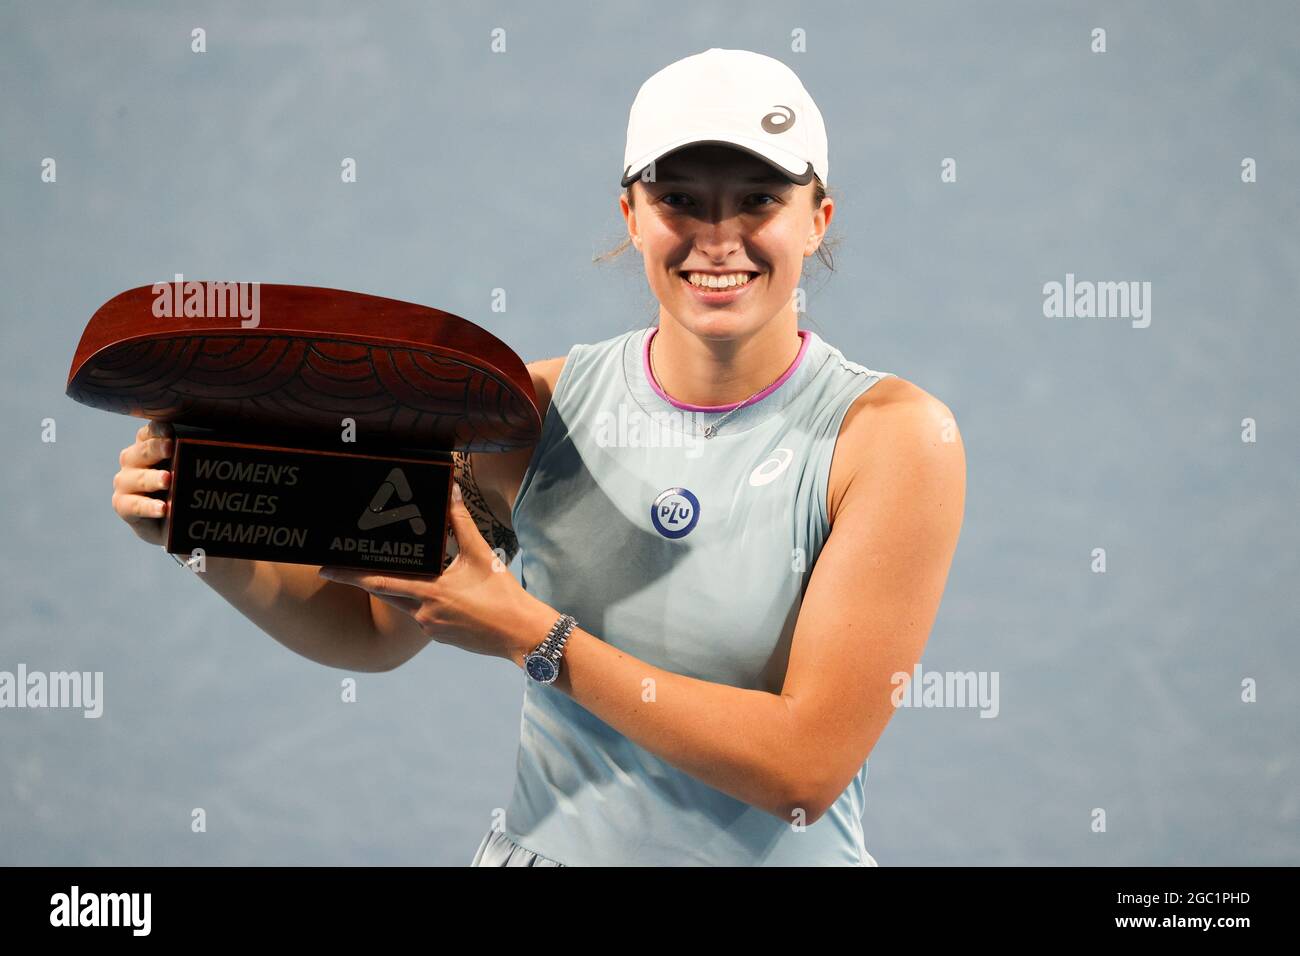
(732, 98)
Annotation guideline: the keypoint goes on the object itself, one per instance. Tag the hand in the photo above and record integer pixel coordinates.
(475, 604)
(139, 477)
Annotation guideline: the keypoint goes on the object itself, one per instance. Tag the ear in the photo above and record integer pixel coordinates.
(629, 215)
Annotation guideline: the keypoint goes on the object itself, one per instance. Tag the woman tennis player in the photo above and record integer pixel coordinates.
(733, 539)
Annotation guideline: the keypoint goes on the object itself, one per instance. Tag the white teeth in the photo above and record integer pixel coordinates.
(717, 282)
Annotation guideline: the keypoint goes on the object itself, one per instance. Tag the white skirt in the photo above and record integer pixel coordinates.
(497, 849)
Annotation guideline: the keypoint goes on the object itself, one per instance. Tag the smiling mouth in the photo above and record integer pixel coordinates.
(684, 275)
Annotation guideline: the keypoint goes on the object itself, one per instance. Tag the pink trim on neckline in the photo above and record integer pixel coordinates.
(684, 406)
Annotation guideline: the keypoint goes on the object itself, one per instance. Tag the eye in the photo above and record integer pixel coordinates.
(762, 200)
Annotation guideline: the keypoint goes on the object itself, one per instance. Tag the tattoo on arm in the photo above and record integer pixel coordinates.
(498, 536)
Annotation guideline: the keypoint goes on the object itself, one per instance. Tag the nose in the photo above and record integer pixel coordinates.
(718, 236)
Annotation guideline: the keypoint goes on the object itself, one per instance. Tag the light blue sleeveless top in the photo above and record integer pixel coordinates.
(689, 553)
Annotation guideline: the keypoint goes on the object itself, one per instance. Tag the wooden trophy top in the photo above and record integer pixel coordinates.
(411, 377)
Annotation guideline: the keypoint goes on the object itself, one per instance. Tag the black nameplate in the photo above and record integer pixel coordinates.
(305, 506)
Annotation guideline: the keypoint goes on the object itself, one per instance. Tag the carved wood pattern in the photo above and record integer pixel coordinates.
(408, 375)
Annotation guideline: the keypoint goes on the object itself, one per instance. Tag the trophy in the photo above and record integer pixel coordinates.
(313, 426)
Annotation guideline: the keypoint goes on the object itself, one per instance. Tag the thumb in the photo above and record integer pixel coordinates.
(469, 540)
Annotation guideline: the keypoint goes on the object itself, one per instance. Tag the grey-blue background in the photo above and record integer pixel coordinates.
(481, 170)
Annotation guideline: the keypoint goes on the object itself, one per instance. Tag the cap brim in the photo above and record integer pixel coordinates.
(778, 163)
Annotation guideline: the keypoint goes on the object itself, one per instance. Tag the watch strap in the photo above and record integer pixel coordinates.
(552, 646)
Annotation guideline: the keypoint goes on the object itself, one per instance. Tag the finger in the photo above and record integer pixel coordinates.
(144, 454)
(469, 540)
(134, 508)
(396, 585)
(406, 605)
(141, 481)
(153, 429)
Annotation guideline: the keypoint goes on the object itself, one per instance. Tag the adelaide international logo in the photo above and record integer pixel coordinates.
(379, 514)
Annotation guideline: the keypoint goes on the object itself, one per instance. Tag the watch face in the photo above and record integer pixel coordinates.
(540, 669)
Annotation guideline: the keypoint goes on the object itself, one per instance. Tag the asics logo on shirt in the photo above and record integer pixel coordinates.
(772, 467)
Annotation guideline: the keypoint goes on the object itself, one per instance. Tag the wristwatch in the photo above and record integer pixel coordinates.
(543, 662)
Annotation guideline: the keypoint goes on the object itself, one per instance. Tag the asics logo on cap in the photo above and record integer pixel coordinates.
(774, 122)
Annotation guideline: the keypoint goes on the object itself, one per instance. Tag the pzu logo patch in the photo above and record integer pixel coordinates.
(675, 512)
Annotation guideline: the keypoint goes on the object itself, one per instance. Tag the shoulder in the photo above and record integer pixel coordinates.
(894, 429)
(545, 373)
(584, 357)
(491, 480)
(503, 472)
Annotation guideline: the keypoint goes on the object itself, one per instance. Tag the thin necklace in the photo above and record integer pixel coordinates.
(711, 429)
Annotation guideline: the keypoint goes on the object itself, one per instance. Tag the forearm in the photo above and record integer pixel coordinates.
(739, 741)
(323, 621)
